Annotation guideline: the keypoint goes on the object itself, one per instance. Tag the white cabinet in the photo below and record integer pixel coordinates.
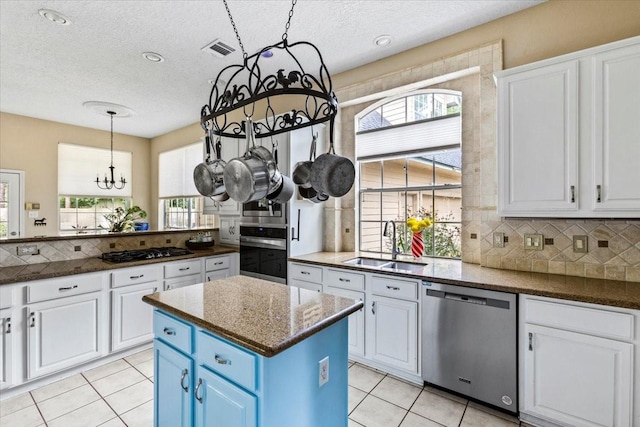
(182, 273)
(131, 318)
(577, 364)
(356, 320)
(6, 347)
(65, 332)
(568, 132)
(217, 267)
(304, 276)
(229, 230)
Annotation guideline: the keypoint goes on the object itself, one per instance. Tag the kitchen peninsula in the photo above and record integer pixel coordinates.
(250, 352)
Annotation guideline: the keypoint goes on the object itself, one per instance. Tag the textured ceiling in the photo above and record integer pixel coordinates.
(48, 71)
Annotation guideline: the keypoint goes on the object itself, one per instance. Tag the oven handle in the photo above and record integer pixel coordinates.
(259, 242)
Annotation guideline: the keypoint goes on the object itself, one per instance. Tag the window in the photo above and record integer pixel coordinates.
(185, 213)
(4, 209)
(82, 214)
(422, 176)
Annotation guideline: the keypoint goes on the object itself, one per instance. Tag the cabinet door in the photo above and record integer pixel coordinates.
(356, 320)
(218, 274)
(64, 332)
(616, 142)
(394, 332)
(229, 231)
(131, 318)
(6, 348)
(180, 282)
(305, 285)
(537, 141)
(577, 379)
(173, 387)
(222, 404)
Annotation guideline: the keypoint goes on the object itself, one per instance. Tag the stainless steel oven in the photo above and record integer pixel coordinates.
(263, 252)
(264, 211)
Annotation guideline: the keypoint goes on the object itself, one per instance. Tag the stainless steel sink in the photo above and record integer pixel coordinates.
(385, 264)
(402, 266)
(367, 262)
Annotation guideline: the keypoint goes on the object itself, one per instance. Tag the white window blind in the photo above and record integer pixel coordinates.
(175, 170)
(79, 165)
(446, 132)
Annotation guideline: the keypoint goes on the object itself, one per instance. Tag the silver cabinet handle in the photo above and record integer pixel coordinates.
(530, 341)
(169, 331)
(344, 280)
(136, 277)
(306, 273)
(599, 193)
(373, 307)
(195, 392)
(221, 360)
(185, 372)
(184, 268)
(67, 288)
(573, 194)
(33, 320)
(393, 288)
(218, 263)
(8, 329)
(155, 289)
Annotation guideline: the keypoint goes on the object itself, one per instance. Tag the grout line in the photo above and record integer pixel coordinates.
(38, 409)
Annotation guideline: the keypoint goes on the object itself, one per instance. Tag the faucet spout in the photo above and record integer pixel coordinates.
(394, 243)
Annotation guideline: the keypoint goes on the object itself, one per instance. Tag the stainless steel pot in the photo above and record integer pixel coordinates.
(284, 192)
(208, 176)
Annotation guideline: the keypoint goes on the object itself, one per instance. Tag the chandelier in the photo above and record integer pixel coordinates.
(108, 184)
(254, 85)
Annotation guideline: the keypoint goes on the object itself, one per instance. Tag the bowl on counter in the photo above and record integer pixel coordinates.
(195, 245)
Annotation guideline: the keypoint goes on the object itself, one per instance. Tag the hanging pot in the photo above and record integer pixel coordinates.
(302, 172)
(247, 178)
(208, 176)
(284, 192)
(312, 195)
(275, 177)
(332, 174)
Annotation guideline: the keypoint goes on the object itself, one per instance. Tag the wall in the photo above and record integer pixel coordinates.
(31, 145)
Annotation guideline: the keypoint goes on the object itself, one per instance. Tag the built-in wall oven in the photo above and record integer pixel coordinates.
(263, 212)
(263, 251)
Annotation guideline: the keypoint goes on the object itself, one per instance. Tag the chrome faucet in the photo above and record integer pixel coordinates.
(394, 243)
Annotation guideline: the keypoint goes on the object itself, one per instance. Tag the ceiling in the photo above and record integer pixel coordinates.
(48, 70)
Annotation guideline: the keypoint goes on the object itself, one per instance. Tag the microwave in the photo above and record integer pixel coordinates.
(264, 210)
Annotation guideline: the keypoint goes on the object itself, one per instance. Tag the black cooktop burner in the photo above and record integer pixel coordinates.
(142, 254)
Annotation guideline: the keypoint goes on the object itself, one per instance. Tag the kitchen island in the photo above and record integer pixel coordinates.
(247, 352)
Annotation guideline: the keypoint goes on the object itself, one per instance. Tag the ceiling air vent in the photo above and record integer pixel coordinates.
(219, 48)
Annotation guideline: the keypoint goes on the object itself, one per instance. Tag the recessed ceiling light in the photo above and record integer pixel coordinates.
(382, 40)
(153, 57)
(54, 16)
(104, 108)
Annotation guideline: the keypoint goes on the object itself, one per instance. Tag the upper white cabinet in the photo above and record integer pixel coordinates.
(568, 135)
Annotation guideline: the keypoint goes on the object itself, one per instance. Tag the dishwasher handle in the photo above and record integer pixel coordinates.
(491, 302)
(465, 298)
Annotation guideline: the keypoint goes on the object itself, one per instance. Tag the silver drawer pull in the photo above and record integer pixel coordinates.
(218, 263)
(67, 288)
(344, 280)
(184, 268)
(185, 372)
(169, 331)
(305, 273)
(136, 277)
(195, 392)
(393, 288)
(222, 361)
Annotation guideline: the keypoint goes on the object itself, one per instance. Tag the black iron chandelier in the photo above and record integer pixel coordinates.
(253, 86)
(108, 184)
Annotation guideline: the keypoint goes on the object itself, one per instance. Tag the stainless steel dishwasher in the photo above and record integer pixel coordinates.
(469, 342)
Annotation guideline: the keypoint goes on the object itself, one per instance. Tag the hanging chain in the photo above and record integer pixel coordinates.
(233, 24)
(111, 113)
(286, 27)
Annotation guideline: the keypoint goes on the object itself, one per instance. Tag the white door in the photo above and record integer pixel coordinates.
(356, 320)
(394, 332)
(229, 231)
(11, 200)
(64, 332)
(577, 379)
(5, 348)
(538, 141)
(616, 142)
(131, 318)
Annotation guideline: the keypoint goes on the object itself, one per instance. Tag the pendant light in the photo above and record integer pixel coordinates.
(108, 184)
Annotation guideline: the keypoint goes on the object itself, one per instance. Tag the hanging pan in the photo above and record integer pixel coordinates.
(332, 174)
(208, 176)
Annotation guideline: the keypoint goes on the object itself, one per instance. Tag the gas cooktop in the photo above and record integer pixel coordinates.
(142, 254)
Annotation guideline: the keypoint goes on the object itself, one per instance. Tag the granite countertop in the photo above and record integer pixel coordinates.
(597, 291)
(47, 270)
(262, 316)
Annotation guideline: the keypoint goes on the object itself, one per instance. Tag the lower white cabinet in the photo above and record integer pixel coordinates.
(178, 274)
(217, 267)
(578, 364)
(6, 348)
(356, 320)
(64, 332)
(394, 332)
(131, 318)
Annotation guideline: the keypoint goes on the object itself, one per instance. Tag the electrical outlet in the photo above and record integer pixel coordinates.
(580, 244)
(27, 250)
(323, 371)
(498, 240)
(34, 214)
(533, 242)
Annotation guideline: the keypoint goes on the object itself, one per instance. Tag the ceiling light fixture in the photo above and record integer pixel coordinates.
(55, 17)
(108, 184)
(153, 57)
(382, 40)
(267, 54)
(249, 87)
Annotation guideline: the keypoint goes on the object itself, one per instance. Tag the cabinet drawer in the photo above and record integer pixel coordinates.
(6, 296)
(608, 324)
(131, 276)
(227, 360)
(345, 279)
(396, 288)
(182, 268)
(172, 331)
(217, 263)
(305, 285)
(306, 272)
(64, 286)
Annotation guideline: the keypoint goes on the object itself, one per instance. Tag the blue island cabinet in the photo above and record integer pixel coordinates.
(204, 380)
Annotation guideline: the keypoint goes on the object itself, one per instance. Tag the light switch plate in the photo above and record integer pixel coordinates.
(498, 240)
(533, 242)
(580, 244)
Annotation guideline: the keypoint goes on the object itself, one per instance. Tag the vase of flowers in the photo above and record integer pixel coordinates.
(417, 226)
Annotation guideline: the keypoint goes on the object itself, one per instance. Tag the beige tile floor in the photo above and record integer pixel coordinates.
(120, 394)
